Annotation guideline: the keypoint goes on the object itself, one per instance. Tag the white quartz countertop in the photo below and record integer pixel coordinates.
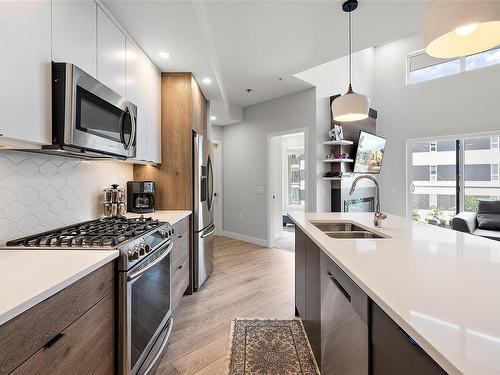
(28, 277)
(172, 216)
(441, 286)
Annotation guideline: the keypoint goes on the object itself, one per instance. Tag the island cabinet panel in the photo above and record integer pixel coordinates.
(300, 273)
(394, 351)
(80, 348)
(39, 329)
(344, 323)
(312, 320)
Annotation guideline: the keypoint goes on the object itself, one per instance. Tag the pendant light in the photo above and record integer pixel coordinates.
(461, 28)
(351, 106)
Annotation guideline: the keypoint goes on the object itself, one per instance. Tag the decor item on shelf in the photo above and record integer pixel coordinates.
(350, 106)
(460, 28)
(336, 134)
(341, 155)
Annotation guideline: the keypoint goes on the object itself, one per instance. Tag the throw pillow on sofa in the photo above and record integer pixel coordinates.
(488, 215)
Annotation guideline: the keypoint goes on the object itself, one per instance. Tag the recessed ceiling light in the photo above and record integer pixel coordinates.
(207, 81)
(164, 55)
(213, 118)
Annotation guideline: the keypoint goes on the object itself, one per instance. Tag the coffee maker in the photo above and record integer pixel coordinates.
(140, 196)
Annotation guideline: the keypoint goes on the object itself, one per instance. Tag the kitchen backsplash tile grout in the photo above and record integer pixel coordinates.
(40, 192)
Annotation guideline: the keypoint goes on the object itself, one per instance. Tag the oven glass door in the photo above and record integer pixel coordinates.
(150, 308)
(100, 118)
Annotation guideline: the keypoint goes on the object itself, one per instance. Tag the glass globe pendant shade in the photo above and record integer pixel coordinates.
(461, 28)
(350, 107)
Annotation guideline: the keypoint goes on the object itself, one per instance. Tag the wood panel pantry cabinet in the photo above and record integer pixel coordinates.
(83, 33)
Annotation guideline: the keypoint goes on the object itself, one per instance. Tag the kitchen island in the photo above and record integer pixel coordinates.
(439, 286)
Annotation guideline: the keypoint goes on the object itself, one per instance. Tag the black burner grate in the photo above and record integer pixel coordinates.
(108, 232)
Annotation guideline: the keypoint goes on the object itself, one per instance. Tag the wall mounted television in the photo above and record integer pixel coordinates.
(369, 154)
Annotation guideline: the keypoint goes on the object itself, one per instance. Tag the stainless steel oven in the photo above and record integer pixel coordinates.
(89, 120)
(145, 319)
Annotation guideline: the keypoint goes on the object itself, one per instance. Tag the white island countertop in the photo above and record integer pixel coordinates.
(28, 277)
(172, 216)
(441, 286)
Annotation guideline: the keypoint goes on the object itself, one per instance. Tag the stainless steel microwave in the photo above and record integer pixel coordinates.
(89, 120)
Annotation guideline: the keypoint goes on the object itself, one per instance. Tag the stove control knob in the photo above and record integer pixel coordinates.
(141, 249)
(133, 255)
(147, 248)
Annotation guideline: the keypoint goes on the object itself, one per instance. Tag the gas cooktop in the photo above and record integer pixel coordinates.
(107, 232)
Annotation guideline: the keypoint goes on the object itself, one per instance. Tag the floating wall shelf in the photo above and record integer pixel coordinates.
(338, 160)
(342, 142)
(332, 178)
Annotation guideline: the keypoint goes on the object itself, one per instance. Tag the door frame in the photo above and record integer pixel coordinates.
(218, 217)
(270, 240)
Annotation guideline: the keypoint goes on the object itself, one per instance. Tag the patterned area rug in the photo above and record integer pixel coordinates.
(270, 346)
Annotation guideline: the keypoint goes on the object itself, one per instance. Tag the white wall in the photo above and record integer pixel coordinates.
(245, 160)
(462, 103)
(332, 79)
(41, 192)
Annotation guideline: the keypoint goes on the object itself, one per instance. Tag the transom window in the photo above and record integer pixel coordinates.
(421, 67)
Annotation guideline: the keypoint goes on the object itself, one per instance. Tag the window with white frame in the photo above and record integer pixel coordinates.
(494, 143)
(433, 145)
(433, 173)
(421, 67)
(494, 172)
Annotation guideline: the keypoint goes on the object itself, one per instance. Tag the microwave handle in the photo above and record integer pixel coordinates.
(134, 128)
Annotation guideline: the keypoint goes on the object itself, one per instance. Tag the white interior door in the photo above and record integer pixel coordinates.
(217, 165)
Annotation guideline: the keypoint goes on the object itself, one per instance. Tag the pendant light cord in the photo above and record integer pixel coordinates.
(350, 51)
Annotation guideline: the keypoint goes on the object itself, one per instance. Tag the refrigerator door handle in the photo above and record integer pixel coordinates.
(210, 232)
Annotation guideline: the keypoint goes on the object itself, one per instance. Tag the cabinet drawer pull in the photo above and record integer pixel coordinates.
(339, 286)
(180, 267)
(53, 340)
(180, 236)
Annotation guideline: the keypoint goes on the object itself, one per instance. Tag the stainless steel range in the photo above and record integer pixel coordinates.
(144, 309)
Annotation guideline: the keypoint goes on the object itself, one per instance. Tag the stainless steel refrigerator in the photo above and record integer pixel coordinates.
(203, 209)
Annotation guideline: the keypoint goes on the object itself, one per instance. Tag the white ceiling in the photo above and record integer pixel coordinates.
(251, 44)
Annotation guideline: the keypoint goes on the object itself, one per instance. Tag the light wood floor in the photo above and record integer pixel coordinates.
(248, 281)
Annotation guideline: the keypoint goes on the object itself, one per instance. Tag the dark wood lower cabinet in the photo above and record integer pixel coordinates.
(79, 349)
(38, 330)
(180, 263)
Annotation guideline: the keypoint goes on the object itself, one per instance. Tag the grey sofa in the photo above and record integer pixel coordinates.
(485, 222)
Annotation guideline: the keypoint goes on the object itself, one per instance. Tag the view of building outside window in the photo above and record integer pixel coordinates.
(434, 173)
(434, 181)
(481, 159)
(296, 179)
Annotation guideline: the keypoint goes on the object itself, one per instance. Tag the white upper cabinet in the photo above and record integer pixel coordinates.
(74, 29)
(153, 107)
(110, 53)
(25, 88)
(136, 93)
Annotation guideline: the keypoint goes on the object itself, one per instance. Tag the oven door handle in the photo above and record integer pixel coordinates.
(139, 273)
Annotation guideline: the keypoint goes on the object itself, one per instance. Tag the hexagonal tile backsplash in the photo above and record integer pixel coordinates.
(41, 192)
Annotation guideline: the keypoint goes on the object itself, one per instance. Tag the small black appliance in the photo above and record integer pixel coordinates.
(140, 196)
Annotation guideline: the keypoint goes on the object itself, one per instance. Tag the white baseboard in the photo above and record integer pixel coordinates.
(245, 238)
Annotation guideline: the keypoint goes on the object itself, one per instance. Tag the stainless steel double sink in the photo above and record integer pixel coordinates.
(345, 229)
